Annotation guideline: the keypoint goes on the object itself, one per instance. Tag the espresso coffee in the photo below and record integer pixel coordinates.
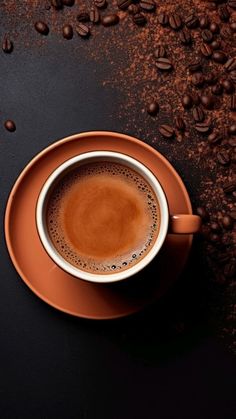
(102, 217)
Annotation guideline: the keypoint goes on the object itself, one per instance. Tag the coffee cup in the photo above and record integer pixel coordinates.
(103, 216)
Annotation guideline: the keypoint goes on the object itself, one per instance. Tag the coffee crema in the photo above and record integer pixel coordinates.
(102, 217)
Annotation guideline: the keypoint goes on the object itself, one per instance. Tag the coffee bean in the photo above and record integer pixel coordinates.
(83, 16)
(207, 101)
(10, 125)
(196, 99)
(230, 64)
(139, 19)
(217, 89)
(233, 103)
(198, 79)
(232, 4)
(160, 52)
(233, 214)
(228, 86)
(204, 22)
(7, 45)
(191, 21)
(166, 131)
(164, 64)
(207, 36)
(110, 20)
(223, 13)
(185, 37)
(194, 66)
(57, 4)
(153, 108)
(101, 4)
(41, 28)
(233, 157)
(214, 226)
(206, 50)
(230, 269)
(229, 186)
(232, 141)
(198, 114)
(175, 21)
(215, 238)
(203, 127)
(123, 4)
(187, 101)
(219, 57)
(223, 157)
(67, 32)
(227, 222)
(214, 28)
(232, 129)
(179, 123)
(226, 34)
(232, 76)
(233, 26)
(82, 30)
(211, 78)
(216, 44)
(133, 9)
(202, 212)
(94, 15)
(147, 5)
(68, 3)
(163, 19)
(214, 138)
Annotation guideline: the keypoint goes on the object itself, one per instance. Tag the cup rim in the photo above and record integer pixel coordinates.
(83, 158)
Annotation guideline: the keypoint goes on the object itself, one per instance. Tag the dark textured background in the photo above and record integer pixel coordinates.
(163, 363)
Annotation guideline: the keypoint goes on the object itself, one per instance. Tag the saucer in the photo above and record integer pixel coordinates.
(63, 291)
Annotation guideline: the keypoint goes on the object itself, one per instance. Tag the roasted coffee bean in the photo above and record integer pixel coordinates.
(198, 79)
(232, 141)
(153, 108)
(164, 64)
(194, 66)
(204, 22)
(123, 4)
(232, 129)
(191, 21)
(187, 101)
(229, 186)
(10, 125)
(232, 76)
(206, 50)
(83, 16)
(101, 4)
(233, 157)
(228, 86)
(133, 9)
(214, 226)
(219, 57)
(216, 44)
(147, 5)
(227, 222)
(175, 21)
(68, 3)
(179, 123)
(214, 138)
(57, 4)
(233, 103)
(110, 20)
(185, 37)
(230, 269)
(163, 19)
(211, 78)
(207, 101)
(217, 89)
(139, 19)
(196, 99)
(41, 28)
(223, 13)
(203, 127)
(215, 238)
(67, 32)
(214, 28)
(94, 15)
(202, 212)
(7, 45)
(223, 157)
(82, 30)
(232, 4)
(207, 36)
(166, 131)
(160, 52)
(198, 114)
(233, 214)
(233, 26)
(230, 64)
(226, 34)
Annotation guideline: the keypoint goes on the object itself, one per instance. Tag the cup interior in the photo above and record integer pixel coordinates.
(80, 160)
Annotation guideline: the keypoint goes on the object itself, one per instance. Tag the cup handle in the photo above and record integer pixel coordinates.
(184, 224)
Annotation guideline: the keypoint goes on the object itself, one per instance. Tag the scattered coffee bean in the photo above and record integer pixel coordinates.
(175, 21)
(110, 20)
(230, 269)
(185, 37)
(227, 222)
(82, 30)
(147, 5)
(7, 45)
(153, 108)
(232, 4)
(207, 36)
(179, 123)
(232, 76)
(204, 22)
(232, 129)
(229, 186)
(198, 79)
(223, 157)
(83, 16)
(214, 28)
(217, 89)
(233, 103)
(233, 156)
(203, 127)
(57, 4)
(214, 138)
(228, 86)
(214, 226)
(163, 19)
(216, 44)
(41, 27)
(215, 238)
(202, 212)
(226, 34)
(187, 101)
(233, 214)
(211, 78)
(231, 64)
(123, 4)
(207, 101)
(133, 9)
(223, 13)
(232, 141)
(139, 19)
(160, 52)
(233, 26)
(206, 50)
(166, 131)
(219, 57)
(196, 99)
(194, 66)
(101, 4)
(67, 32)
(94, 15)
(10, 125)
(68, 3)
(191, 21)
(198, 114)
(164, 64)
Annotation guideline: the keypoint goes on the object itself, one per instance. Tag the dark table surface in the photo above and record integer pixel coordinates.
(165, 362)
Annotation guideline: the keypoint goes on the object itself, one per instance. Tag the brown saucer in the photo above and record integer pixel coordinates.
(65, 292)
